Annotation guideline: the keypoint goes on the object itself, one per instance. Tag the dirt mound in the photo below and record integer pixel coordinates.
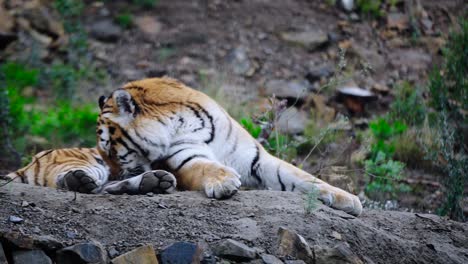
(253, 217)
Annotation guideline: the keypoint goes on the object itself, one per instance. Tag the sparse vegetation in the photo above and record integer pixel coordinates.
(124, 19)
(384, 172)
(449, 97)
(33, 126)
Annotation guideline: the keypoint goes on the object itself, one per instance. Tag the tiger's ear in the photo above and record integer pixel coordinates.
(124, 102)
(102, 99)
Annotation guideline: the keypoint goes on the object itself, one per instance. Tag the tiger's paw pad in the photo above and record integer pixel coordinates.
(157, 181)
(79, 181)
(222, 189)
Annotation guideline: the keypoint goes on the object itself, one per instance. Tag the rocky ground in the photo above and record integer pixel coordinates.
(252, 218)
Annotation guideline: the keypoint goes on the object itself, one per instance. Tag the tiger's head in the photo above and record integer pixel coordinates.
(115, 133)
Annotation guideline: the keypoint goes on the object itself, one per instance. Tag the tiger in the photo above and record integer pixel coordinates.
(163, 121)
(83, 170)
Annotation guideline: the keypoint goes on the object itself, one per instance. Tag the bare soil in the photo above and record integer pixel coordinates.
(253, 217)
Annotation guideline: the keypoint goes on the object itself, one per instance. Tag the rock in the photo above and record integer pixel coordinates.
(87, 252)
(270, 259)
(371, 56)
(347, 5)
(148, 25)
(340, 254)
(292, 121)
(47, 243)
(105, 30)
(42, 20)
(415, 60)
(35, 256)
(294, 262)
(316, 73)
(292, 244)
(355, 98)
(15, 219)
(397, 20)
(287, 89)
(247, 229)
(3, 259)
(181, 252)
(240, 63)
(113, 252)
(310, 40)
(234, 250)
(6, 20)
(142, 255)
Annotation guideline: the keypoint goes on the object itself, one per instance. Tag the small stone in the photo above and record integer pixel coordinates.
(270, 259)
(347, 5)
(287, 89)
(398, 21)
(112, 252)
(316, 73)
(292, 121)
(292, 244)
(340, 254)
(71, 234)
(24, 204)
(150, 194)
(148, 25)
(336, 235)
(234, 250)
(35, 256)
(310, 40)
(240, 63)
(294, 262)
(142, 255)
(88, 252)
(106, 30)
(181, 252)
(15, 219)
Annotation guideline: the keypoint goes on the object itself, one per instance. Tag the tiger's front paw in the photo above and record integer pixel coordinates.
(222, 188)
(341, 200)
(78, 181)
(158, 182)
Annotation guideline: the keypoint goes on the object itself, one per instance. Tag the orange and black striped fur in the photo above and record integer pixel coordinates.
(83, 170)
(162, 121)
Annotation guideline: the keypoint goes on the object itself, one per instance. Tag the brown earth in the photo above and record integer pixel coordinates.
(253, 217)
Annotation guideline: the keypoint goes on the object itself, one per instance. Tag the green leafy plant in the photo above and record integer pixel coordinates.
(145, 3)
(384, 172)
(370, 7)
(124, 19)
(251, 127)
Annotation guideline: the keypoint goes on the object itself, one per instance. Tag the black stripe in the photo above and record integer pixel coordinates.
(143, 152)
(149, 141)
(181, 142)
(106, 112)
(254, 165)
(212, 132)
(189, 159)
(283, 188)
(197, 114)
(293, 187)
(175, 153)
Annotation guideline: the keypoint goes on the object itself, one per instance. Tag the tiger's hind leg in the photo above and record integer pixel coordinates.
(155, 181)
(78, 181)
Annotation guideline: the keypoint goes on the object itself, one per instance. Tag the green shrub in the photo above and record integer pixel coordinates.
(409, 106)
(370, 7)
(253, 129)
(449, 97)
(124, 19)
(145, 3)
(384, 172)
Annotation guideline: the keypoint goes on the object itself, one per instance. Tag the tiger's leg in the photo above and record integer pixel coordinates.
(279, 175)
(155, 181)
(85, 180)
(197, 169)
